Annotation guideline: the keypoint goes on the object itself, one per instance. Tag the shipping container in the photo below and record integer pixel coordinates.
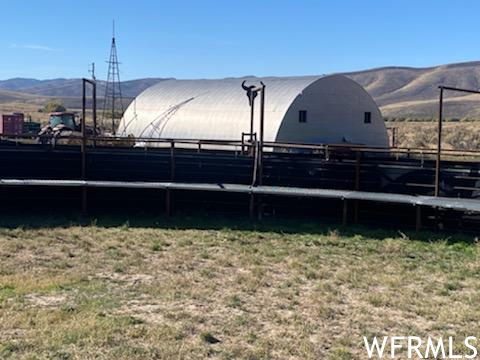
(11, 124)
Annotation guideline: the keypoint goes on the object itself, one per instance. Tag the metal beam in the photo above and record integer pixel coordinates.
(428, 201)
(439, 138)
(83, 149)
(84, 134)
(344, 212)
(418, 218)
(439, 143)
(459, 89)
(262, 123)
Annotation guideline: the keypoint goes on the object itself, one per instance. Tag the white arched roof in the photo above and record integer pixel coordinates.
(219, 109)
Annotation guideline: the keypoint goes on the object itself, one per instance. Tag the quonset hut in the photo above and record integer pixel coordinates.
(319, 110)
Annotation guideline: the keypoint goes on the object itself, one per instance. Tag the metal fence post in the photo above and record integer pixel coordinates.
(167, 203)
(83, 150)
(357, 186)
(94, 95)
(260, 149)
(418, 219)
(168, 193)
(439, 144)
(83, 124)
(172, 160)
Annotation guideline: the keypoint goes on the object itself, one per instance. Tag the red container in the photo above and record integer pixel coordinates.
(11, 124)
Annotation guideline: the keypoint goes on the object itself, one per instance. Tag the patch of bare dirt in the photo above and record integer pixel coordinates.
(45, 301)
(130, 279)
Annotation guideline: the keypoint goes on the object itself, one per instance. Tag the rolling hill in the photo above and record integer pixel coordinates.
(14, 96)
(399, 91)
(71, 87)
(413, 92)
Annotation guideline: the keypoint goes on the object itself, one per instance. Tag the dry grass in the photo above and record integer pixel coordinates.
(26, 108)
(456, 135)
(123, 292)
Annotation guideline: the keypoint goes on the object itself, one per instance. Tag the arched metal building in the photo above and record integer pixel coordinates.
(328, 109)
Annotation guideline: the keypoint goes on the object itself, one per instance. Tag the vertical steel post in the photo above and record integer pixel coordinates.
(83, 149)
(252, 114)
(252, 206)
(168, 193)
(439, 144)
(357, 171)
(167, 203)
(418, 220)
(357, 186)
(262, 122)
(172, 160)
(82, 124)
(260, 149)
(356, 206)
(94, 95)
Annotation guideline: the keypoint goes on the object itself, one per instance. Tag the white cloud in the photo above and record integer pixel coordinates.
(33, 47)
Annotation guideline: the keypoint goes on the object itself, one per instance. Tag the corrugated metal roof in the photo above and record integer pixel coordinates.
(219, 110)
(184, 108)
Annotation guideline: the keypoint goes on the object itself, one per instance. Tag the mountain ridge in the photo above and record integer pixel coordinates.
(400, 91)
(64, 87)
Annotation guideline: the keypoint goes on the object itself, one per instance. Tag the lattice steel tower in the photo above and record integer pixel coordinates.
(113, 91)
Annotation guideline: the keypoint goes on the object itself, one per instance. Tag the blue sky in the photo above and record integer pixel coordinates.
(221, 38)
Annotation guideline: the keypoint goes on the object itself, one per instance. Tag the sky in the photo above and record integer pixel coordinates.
(190, 39)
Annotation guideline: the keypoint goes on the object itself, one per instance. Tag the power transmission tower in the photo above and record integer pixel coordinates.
(113, 92)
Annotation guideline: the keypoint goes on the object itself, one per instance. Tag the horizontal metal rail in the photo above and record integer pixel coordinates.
(467, 205)
(274, 145)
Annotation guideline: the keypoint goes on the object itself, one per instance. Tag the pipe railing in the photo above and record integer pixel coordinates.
(85, 142)
(266, 145)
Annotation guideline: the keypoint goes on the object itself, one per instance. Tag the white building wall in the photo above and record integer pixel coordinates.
(336, 109)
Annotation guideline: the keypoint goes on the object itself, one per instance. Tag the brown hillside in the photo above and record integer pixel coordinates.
(399, 91)
(412, 92)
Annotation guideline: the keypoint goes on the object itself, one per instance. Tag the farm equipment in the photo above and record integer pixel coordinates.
(61, 125)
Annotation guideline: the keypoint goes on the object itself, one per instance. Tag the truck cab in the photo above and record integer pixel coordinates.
(65, 120)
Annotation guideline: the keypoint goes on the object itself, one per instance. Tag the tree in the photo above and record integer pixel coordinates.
(53, 106)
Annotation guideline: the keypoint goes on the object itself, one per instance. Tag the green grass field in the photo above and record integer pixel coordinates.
(196, 288)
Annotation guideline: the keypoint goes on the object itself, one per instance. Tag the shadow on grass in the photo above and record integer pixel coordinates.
(213, 221)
